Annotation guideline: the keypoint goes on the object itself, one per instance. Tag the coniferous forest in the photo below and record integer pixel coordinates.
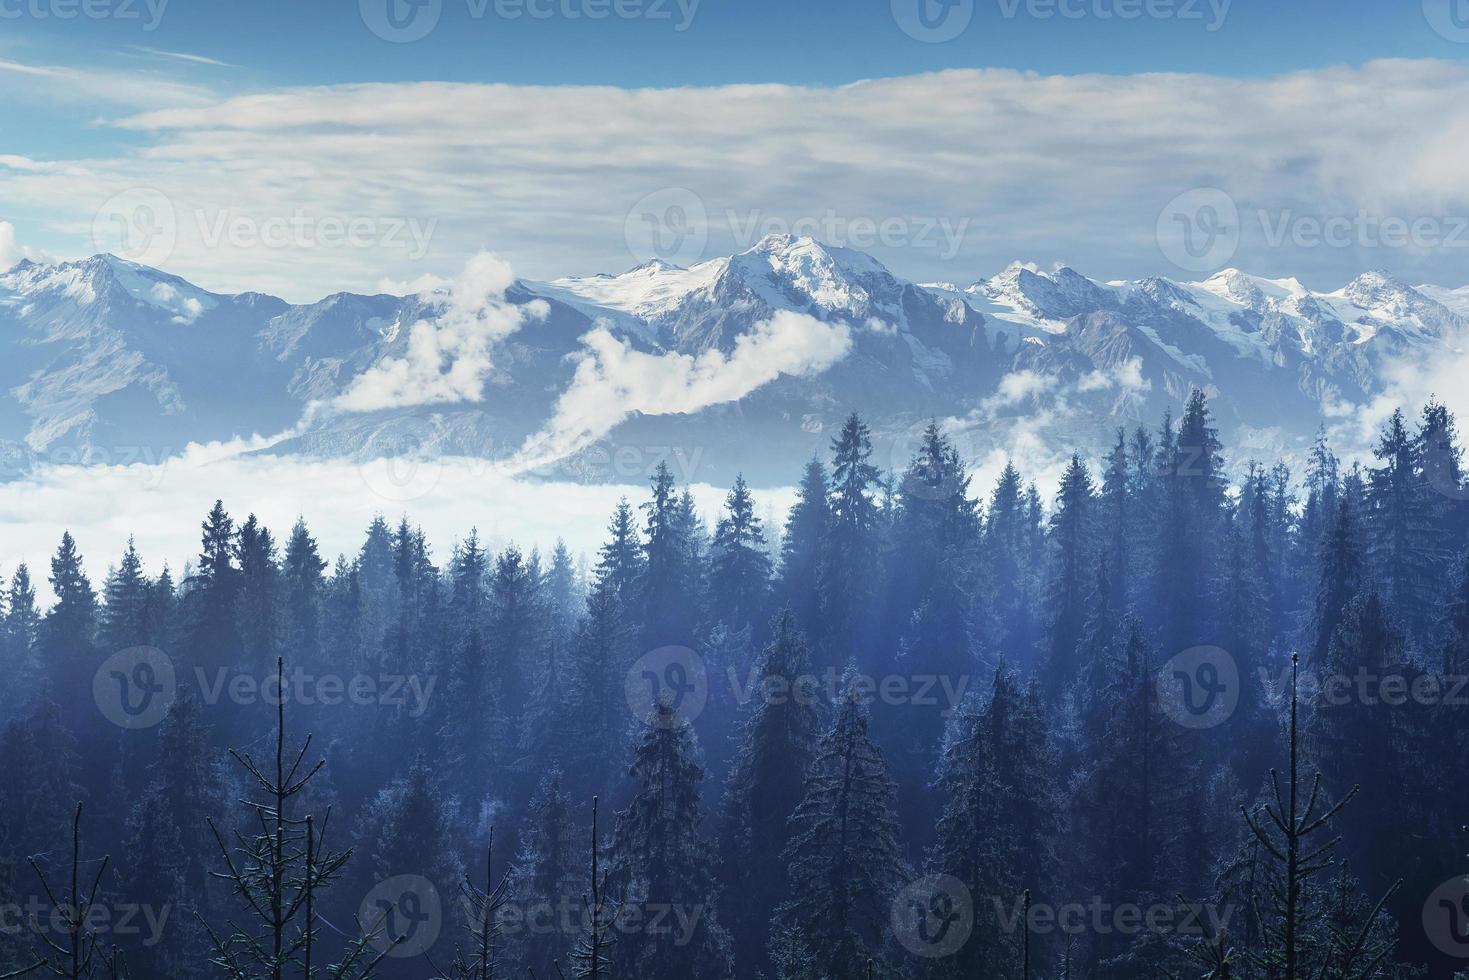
(1181, 719)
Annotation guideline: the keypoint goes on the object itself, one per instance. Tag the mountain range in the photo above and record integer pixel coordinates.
(109, 361)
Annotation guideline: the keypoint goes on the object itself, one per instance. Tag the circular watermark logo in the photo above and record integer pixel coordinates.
(404, 915)
(1199, 230)
(1446, 917)
(933, 21)
(1448, 18)
(669, 225)
(672, 674)
(134, 688)
(1200, 687)
(933, 916)
(401, 465)
(138, 224)
(401, 21)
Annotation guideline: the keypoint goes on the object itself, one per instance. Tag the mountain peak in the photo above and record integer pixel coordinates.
(654, 265)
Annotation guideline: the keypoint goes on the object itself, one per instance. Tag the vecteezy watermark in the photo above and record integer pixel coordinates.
(943, 235)
(134, 688)
(1446, 917)
(142, 224)
(300, 229)
(1201, 230)
(1371, 688)
(1361, 230)
(933, 917)
(943, 691)
(932, 21)
(569, 916)
(1198, 230)
(147, 13)
(669, 225)
(1199, 688)
(143, 922)
(936, 21)
(621, 462)
(1101, 918)
(138, 224)
(399, 461)
(1448, 18)
(402, 915)
(406, 21)
(671, 675)
(297, 686)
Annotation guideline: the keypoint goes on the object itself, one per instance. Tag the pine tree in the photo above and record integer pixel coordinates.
(668, 585)
(1189, 539)
(660, 859)
(1001, 816)
(1339, 579)
(739, 572)
(19, 640)
(125, 616)
(850, 571)
(278, 869)
(546, 877)
(765, 784)
(68, 631)
(1006, 566)
(621, 559)
(213, 598)
(1289, 913)
(604, 653)
(802, 545)
(1116, 514)
(1402, 552)
(1071, 532)
(302, 585)
(406, 829)
(844, 860)
(259, 598)
(166, 834)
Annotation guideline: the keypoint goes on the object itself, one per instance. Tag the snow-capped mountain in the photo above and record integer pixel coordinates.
(113, 361)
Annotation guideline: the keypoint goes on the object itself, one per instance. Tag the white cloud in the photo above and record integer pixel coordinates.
(1019, 386)
(12, 252)
(448, 358)
(614, 381)
(1046, 167)
(1126, 377)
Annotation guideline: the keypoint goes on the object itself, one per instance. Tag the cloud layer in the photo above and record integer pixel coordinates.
(1069, 168)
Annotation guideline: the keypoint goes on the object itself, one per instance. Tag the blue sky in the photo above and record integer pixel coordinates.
(1292, 108)
(726, 41)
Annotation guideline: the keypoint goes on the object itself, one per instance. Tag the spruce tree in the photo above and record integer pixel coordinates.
(1001, 818)
(1071, 534)
(844, 860)
(802, 546)
(850, 570)
(660, 860)
(765, 784)
(125, 615)
(739, 563)
(546, 877)
(303, 585)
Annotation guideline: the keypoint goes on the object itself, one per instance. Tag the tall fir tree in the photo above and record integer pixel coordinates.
(660, 860)
(844, 860)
